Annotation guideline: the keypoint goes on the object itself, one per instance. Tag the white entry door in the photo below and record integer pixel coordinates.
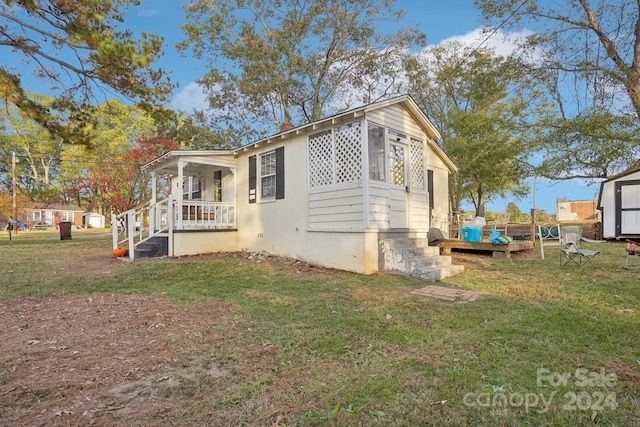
(398, 186)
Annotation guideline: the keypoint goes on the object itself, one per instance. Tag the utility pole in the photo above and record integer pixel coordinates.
(13, 173)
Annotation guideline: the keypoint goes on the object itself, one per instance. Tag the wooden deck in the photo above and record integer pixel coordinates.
(497, 251)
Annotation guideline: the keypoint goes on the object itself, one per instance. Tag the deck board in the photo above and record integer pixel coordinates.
(497, 251)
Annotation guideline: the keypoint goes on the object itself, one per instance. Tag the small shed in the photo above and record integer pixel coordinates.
(619, 202)
(93, 220)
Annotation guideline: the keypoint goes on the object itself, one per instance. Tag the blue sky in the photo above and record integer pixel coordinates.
(439, 20)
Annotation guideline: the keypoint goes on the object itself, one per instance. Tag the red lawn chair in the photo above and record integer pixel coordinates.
(633, 248)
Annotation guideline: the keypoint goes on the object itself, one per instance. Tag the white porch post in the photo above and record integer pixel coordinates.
(131, 230)
(154, 188)
(152, 209)
(171, 215)
(114, 230)
(364, 144)
(179, 191)
(235, 193)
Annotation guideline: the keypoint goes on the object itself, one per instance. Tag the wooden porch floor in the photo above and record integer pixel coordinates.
(497, 251)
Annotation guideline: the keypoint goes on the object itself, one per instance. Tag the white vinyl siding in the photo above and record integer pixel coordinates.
(336, 208)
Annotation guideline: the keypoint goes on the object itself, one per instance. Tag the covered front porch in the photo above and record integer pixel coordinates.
(191, 192)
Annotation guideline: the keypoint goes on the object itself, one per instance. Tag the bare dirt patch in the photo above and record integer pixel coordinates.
(103, 359)
(112, 359)
(93, 266)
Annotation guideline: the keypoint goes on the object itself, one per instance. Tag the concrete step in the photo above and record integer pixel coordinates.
(420, 251)
(414, 257)
(418, 263)
(438, 273)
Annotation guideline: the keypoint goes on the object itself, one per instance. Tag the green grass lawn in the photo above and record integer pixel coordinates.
(549, 346)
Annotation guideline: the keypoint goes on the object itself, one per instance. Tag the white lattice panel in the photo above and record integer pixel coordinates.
(417, 164)
(321, 159)
(348, 153)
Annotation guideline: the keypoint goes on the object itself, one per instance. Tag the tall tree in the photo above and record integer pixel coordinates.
(37, 151)
(76, 48)
(482, 105)
(279, 61)
(588, 55)
(114, 136)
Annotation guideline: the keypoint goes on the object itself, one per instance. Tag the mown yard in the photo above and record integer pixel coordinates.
(240, 339)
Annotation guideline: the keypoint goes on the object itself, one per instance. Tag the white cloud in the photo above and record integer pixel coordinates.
(191, 97)
(504, 44)
(149, 12)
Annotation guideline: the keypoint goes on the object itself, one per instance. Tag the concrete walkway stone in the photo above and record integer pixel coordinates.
(461, 296)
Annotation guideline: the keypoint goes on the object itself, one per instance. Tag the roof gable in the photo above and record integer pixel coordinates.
(406, 101)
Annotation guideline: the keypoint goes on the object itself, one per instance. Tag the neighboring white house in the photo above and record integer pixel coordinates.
(327, 193)
(619, 202)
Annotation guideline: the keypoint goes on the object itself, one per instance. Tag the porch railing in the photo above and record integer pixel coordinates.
(147, 220)
(202, 214)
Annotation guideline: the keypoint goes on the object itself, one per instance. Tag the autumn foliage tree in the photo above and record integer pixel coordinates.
(120, 182)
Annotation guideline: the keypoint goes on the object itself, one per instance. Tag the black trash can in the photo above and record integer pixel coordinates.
(65, 230)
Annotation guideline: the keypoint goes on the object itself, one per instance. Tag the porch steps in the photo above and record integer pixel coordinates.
(153, 247)
(412, 256)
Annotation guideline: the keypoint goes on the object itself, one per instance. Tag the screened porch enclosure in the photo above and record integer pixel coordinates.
(363, 175)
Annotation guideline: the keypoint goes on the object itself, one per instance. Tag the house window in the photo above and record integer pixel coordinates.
(67, 216)
(377, 157)
(266, 174)
(34, 216)
(396, 164)
(191, 188)
(217, 186)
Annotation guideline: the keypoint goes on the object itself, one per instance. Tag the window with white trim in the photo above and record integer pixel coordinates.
(377, 156)
(67, 216)
(267, 177)
(217, 186)
(396, 164)
(34, 216)
(191, 188)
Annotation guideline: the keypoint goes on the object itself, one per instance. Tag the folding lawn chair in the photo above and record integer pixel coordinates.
(633, 248)
(573, 249)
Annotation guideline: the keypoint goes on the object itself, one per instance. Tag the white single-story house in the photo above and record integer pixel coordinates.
(357, 191)
(619, 202)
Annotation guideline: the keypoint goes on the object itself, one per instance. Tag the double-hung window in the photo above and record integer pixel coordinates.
(191, 188)
(266, 176)
(34, 216)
